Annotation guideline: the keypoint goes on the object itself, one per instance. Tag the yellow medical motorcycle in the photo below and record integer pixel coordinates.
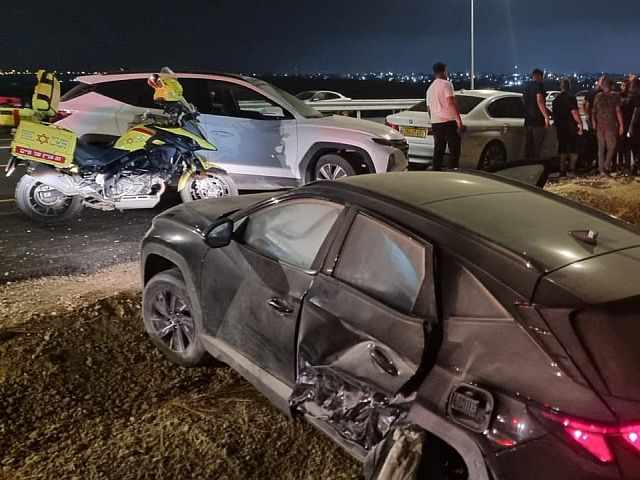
(65, 173)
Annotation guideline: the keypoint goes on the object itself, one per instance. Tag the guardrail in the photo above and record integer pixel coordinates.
(359, 106)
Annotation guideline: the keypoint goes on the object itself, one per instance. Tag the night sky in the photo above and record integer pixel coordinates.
(328, 36)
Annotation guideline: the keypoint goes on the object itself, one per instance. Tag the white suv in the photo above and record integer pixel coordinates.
(266, 137)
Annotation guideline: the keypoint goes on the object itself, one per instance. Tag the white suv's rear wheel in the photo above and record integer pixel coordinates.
(332, 166)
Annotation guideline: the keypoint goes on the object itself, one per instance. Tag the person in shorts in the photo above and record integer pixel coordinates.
(566, 118)
(608, 124)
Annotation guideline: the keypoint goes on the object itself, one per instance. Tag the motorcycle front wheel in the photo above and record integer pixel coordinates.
(211, 185)
(45, 204)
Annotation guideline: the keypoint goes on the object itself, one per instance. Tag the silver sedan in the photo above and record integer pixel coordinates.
(495, 131)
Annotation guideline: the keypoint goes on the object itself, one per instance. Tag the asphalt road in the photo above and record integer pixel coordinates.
(92, 241)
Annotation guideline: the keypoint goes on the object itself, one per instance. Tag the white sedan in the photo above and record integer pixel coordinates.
(495, 130)
(321, 95)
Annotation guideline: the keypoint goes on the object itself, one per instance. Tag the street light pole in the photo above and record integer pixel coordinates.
(473, 73)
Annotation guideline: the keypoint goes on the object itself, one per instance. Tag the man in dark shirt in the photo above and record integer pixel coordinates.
(568, 123)
(536, 115)
(590, 143)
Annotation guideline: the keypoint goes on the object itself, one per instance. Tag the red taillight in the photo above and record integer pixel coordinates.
(593, 437)
(632, 435)
(62, 114)
(429, 131)
(595, 443)
(392, 125)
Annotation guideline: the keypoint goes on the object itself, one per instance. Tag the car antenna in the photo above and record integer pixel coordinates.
(589, 237)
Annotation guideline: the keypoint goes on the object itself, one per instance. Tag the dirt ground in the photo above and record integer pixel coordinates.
(84, 394)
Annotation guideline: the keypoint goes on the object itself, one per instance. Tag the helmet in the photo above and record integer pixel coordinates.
(167, 89)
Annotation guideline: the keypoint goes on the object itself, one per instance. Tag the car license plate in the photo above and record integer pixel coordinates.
(414, 132)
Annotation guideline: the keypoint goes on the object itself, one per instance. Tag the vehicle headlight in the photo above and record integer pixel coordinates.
(400, 144)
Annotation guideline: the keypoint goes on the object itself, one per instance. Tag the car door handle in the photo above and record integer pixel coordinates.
(380, 359)
(279, 305)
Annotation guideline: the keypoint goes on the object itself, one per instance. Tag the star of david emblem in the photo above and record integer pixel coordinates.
(42, 138)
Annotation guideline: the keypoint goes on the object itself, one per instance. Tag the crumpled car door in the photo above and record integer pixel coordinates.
(365, 333)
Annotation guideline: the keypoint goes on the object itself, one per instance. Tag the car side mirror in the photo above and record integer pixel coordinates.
(272, 112)
(220, 234)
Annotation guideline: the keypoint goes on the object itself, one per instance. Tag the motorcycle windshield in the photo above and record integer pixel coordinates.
(193, 126)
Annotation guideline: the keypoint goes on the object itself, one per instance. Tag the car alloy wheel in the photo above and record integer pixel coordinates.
(170, 321)
(494, 156)
(333, 167)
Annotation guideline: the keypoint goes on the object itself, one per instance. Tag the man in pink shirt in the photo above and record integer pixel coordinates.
(445, 118)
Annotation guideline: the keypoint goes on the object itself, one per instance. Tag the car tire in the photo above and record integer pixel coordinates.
(168, 315)
(214, 185)
(332, 166)
(493, 157)
(42, 208)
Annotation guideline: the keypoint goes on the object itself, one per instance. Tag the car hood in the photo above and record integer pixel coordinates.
(377, 130)
(199, 216)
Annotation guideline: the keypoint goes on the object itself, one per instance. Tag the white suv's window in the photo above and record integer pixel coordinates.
(231, 100)
(292, 231)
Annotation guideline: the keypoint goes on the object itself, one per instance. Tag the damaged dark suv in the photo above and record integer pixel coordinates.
(489, 325)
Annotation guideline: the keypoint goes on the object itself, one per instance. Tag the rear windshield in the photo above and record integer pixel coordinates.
(465, 103)
(419, 107)
(77, 91)
(611, 336)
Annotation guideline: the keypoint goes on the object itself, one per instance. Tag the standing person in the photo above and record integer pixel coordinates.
(588, 100)
(627, 105)
(607, 121)
(590, 143)
(536, 115)
(445, 118)
(566, 118)
(634, 124)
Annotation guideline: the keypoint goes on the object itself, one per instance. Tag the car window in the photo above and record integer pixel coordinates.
(466, 103)
(297, 104)
(253, 105)
(319, 96)
(134, 92)
(419, 107)
(508, 107)
(331, 96)
(77, 91)
(194, 90)
(382, 262)
(304, 95)
(292, 231)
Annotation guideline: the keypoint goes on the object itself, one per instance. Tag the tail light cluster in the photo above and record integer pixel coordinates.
(62, 114)
(391, 125)
(593, 437)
